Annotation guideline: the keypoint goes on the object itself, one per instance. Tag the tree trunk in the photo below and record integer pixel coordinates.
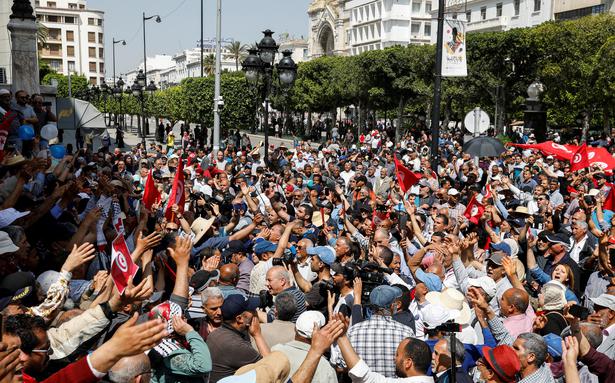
(586, 118)
(606, 113)
(400, 118)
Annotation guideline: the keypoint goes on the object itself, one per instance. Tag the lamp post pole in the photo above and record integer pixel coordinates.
(116, 42)
(435, 117)
(201, 38)
(158, 20)
(216, 143)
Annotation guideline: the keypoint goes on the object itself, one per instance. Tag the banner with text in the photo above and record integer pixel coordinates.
(454, 62)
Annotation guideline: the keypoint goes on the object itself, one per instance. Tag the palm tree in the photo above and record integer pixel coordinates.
(237, 51)
(209, 64)
(42, 34)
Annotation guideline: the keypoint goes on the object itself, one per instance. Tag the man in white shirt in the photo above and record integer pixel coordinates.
(348, 173)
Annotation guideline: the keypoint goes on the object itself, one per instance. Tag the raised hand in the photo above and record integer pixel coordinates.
(477, 299)
(78, 256)
(145, 243)
(132, 339)
(324, 337)
(509, 266)
(570, 350)
(211, 263)
(181, 326)
(181, 252)
(9, 360)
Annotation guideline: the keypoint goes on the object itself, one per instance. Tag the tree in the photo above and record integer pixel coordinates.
(237, 50)
(79, 84)
(209, 64)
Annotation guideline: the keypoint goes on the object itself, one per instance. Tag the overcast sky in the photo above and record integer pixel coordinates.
(242, 20)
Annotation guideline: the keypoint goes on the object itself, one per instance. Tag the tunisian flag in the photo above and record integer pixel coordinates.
(474, 210)
(579, 160)
(151, 194)
(122, 266)
(405, 177)
(609, 201)
(177, 197)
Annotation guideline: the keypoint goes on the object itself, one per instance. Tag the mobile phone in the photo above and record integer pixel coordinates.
(579, 311)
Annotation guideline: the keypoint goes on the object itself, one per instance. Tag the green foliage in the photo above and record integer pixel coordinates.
(79, 84)
(43, 70)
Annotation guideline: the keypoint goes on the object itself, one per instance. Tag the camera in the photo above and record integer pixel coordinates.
(285, 259)
(265, 299)
(371, 275)
(449, 326)
(579, 311)
(328, 285)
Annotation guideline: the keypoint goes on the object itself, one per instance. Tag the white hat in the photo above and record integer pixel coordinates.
(6, 245)
(453, 191)
(593, 192)
(4, 91)
(305, 323)
(10, 215)
(434, 315)
(485, 283)
(514, 246)
(554, 295)
(84, 195)
(453, 300)
(605, 300)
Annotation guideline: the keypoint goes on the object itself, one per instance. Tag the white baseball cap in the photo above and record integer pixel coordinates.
(453, 191)
(305, 323)
(10, 215)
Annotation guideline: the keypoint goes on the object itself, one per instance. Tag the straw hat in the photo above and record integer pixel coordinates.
(317, 219)
(200, 226)
(14, 160)
(453, 300)
(522, 210)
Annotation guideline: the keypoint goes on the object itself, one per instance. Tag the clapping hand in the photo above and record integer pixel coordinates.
(145, 243)
(509, 267)
(181, 252)
(570, 351)
(181, 326)
(78, 256)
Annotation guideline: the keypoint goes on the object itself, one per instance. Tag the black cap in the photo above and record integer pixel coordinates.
(235, 304)
(234, 246)
(202, 278)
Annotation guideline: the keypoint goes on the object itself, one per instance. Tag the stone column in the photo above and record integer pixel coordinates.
(24, 58)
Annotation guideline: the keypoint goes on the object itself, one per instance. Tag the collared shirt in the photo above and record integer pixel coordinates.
(596, 285)
(518, 324)
(376, 340)
(576, 247)
(305, 269)
(362, 373)
(296, 352)
(230, 349)
(277, 332)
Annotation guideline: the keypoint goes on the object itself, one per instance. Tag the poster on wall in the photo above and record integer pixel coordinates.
(454, 62)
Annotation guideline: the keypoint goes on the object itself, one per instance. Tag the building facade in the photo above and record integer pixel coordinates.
(75, 38)
(299, 48)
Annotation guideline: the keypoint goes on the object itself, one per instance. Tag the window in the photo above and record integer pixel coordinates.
(70, 51)
(71, 66)
(93, 80)
(483, 13)
(81, 6)
(469, 16)
(536, 5)
(3, 75)
(498, 9)
(516, 5)
(91, 21)
(101, 53)
(92, 52)
(100, 38)
(69, 20)
(99, 22)
(428, 7)
(55, 65)
(92, 66)
(427, 29)
(91, 37)
(70, 36)
(415, 29)
(51, 4)
(54, 34)
(72, 6)
(416, 7)
(101, 67)
(53, 19)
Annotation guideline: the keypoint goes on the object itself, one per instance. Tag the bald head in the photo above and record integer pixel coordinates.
(229, 274)
(436, 268)
(518, 300)
(131, 369)
(277, 280)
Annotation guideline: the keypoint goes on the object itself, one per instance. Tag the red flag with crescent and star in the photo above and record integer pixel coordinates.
(122, 266)
(405, 177)
(579, 159)
(177, 197)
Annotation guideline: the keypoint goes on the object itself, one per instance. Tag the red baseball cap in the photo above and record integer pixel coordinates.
(503, 361)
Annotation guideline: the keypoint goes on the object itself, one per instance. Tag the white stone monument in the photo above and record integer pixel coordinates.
(22, 26)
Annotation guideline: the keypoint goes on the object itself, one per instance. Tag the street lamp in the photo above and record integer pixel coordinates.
(137, 90)
(118, 93)
(258, 68)
(116, 42)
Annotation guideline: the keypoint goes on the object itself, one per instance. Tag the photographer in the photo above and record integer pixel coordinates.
(316, 294)
(342, 299)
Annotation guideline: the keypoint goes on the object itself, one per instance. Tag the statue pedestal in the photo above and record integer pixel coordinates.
(24, 55)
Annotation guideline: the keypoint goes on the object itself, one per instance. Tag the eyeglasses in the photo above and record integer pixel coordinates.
(48, 351)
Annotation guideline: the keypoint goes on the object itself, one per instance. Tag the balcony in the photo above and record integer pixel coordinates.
(494, 24)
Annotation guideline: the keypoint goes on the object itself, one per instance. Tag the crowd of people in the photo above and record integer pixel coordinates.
(317, 264)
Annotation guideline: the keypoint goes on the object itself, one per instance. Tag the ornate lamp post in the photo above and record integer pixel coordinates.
(535, 118)
(259, 70)
(137, 90)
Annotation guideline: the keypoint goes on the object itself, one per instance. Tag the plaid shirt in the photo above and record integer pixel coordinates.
(501, 335)
(376, 340)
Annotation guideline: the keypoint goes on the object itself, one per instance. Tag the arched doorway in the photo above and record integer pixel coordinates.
(326, 40)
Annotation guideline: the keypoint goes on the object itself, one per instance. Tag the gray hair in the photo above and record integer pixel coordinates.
(581, 224)
(592, 332)
(285, 306)
(460, 351)
(211, 292)
(535, 344)
(128, 368)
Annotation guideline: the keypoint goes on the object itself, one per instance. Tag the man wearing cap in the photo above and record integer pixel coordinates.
(604, 316)
(495, 271)
(264, 250)
(237, 254)
(499, 364)
(296, 350)
(455, 208)
(376, 339)
(558, 254)
(230, 345)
